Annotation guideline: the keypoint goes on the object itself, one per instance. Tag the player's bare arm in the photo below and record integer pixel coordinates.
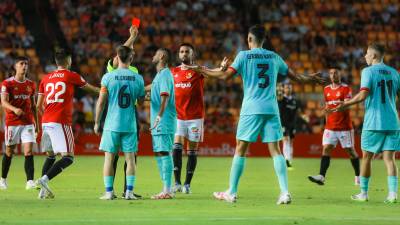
(311, 78)
(101, 102)
(35, 115)
(6, 104)
(133, 31)
(164, 100)
(91, 89)
(39, 104)
(360, 97)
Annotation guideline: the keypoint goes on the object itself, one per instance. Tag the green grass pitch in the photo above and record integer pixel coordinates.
(78, 188)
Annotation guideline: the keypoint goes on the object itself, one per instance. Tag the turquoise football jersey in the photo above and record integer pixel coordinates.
(124, 88)
(163, 84)
(259, 69)
(383, 84)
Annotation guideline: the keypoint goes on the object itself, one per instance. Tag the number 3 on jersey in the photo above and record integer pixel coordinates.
(263, 75)
(54, 92)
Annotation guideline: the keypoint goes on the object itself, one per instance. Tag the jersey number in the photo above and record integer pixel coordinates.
(124, 99)
(263, 74)
(57, 89)
(382, 84)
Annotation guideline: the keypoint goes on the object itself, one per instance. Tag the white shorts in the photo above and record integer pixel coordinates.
(14, 135)
(193, 130)
(58, 138)
(345, 137)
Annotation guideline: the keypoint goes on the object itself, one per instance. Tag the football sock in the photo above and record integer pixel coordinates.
(364, 183)
(393, 184)
(191, 165)
(325, 161)
(29, 167)
(130, 182)
(238, 164)
(167, 165)
(5, 167)
(160, 167)
(177, 155)
(108, 183)
(59, 166)
(356, 165)
(48, 164)
(281, 172)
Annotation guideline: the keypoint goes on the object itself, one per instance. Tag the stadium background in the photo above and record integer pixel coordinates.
(310, 35)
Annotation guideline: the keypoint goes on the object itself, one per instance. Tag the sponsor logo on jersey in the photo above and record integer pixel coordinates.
(183, 85)
(24, 97)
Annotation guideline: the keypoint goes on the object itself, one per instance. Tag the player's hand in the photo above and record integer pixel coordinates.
(156, 122)
(133, 31)
(18, 111)
(224, 64)
(96, 129)
(317, 78)
(342, 106)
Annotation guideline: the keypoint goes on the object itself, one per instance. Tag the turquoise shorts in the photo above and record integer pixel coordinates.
(264, 125)
(163, 142)
(112, 141)
(378, 141)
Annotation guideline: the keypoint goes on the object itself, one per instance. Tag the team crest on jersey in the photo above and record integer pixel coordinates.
(15, 88)
(28, 89)
(3, 88)
(189, 75)
(329, 94)
(338, 94)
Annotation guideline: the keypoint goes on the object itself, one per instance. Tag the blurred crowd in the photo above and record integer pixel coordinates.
(310, 35)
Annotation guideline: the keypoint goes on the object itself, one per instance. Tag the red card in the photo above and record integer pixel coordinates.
(136, 22)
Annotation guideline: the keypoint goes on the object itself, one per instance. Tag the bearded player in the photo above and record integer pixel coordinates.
(338, 128)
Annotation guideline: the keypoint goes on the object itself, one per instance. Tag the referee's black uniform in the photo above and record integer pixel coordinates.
(288, 107)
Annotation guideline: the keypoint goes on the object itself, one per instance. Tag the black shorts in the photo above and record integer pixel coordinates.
(288, 131)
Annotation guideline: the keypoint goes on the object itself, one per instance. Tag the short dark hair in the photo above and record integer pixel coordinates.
(167, 53)
(380, 48)
(259, 32)
(124, 53)
(187, 45)
(61, 56)
(20, 58)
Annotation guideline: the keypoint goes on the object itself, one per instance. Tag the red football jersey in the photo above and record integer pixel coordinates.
(189, 93)
(57, 88)
(19, 95)
(333, 96)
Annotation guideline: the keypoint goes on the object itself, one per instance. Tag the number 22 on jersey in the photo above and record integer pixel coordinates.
(55, 90)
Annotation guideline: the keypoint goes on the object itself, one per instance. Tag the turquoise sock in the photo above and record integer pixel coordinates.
(281, 172)
(159, 165)
(130, 182)
(238, 164)
(168, 167)
(393, 183)
(364, 183)
(108, 182)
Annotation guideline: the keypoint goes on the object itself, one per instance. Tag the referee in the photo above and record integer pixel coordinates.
(288, 108)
